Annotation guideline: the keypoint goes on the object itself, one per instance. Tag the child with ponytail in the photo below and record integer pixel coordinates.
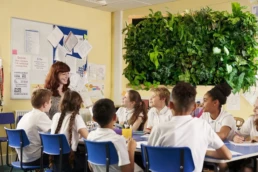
(134, 111)
(70, 123)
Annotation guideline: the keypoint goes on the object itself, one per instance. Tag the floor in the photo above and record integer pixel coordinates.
(7, 169)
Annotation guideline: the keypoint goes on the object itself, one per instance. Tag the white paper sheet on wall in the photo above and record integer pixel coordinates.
(86, 98)
(251, 95)
(60, 53)
(84, 49)
(55, 36)
(20, 85)
(21, 62)
(70, 41)
(77, 82)
(32, 41)
(255, 10)
(71, 62)
(96, 72)
(80, 40)
(40, 63)
(233, 102)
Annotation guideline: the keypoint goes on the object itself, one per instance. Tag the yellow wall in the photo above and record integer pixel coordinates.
(179, 7)
(98, 24)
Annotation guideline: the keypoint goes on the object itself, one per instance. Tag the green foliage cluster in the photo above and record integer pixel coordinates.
(203, 47)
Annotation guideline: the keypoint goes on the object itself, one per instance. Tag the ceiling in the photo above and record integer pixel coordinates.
(116, 5)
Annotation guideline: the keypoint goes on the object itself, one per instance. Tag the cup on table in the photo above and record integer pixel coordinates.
(127, 132)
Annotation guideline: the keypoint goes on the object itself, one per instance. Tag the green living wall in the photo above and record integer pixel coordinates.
(202, 47)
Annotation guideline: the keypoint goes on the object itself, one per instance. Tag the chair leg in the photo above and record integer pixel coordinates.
(2, 164)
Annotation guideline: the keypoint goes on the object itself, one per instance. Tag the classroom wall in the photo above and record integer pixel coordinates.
(98, 24)
(179, 7)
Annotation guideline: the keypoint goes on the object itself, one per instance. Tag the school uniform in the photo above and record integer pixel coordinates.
(248, 128)
(124, 115)
(155, 117)
(33, 122)
(106, 134)
(224, 119)
(186, 131)
(78, 124)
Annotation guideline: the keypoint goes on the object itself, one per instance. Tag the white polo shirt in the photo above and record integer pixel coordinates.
(78, 124)
(224, 119)
(248, 128)
(123, 114)
(33, 122)
(186, 131)
(155, 118)
(106, 134)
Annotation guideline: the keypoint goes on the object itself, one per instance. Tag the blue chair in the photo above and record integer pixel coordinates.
(54, 144)
(17, 139)
(100, 153)
(163, 159)
(5, 118)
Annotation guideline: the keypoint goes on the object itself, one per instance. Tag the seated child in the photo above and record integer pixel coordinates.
(222, 122)
(33, 122)
(104, 113)
(159, 112)
(134, 111)
(70, 123)
(185, 131)
(249, 128)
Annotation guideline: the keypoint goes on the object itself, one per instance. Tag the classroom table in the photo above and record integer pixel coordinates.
(246, 151)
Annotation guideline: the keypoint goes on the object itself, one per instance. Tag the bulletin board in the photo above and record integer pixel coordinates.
(32, 54)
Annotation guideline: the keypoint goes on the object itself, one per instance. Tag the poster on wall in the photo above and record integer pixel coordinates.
(20, 85)
(233, 102)
(21, 62)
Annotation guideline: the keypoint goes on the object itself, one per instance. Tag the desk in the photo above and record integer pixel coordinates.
(246, 151)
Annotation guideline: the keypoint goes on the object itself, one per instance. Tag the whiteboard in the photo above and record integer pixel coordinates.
(18, 29)
(32, 54)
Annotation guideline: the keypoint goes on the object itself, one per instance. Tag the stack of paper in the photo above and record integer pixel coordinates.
(245, 143)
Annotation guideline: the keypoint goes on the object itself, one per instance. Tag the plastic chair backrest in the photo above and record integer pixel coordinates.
(17, 138)
(7, 118)
(53, 142)
(163, 159)
(239, 122)
(99, 151)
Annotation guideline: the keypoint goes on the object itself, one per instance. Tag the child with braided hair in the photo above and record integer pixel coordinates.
(70, 123)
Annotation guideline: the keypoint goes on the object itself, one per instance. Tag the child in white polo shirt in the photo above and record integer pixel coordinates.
(249, 128)
(222, 122)
(104, 113)
(185, 131)
(134, 111)
(33, 122)
(159, 112)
